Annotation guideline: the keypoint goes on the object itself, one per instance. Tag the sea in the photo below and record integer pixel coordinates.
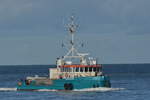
(129, 82)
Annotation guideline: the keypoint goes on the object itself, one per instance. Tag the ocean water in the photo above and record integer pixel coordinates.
(129, 82)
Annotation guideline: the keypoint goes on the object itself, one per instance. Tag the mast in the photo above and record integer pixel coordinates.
(72, 28)
(72, 53)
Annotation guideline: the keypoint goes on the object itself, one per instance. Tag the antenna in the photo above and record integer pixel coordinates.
(72, 29)
(73, 52)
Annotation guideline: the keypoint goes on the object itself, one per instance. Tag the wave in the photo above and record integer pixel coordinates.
(46, 90)
(8, 89)
(100, 89)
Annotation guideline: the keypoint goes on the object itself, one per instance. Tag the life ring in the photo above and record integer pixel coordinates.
(66, 86)
(70, 86)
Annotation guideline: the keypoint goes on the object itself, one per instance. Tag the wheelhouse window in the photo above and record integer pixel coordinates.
(77, 69)
(95, 69)
(66, 69)
(74, 69)
(81, 69)
(86, 69)
(69, 69)
(90, 69)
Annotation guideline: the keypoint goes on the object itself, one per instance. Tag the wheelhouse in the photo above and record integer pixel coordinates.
(80, 68)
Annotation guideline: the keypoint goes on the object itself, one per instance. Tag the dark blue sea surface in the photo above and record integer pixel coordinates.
(134, 78)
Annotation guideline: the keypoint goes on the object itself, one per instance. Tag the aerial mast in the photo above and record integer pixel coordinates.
(72, 29)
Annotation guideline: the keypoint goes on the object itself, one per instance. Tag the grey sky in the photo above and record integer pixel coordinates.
(116, 31)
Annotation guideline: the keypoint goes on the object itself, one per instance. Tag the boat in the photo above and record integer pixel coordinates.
(75, 70)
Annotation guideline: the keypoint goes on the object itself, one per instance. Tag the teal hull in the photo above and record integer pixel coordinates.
(74, 83)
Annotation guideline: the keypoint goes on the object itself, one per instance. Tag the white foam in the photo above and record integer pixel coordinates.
(8, 89)
(46, 90)
(101, 89)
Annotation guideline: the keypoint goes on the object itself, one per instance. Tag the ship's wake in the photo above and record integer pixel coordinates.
(101, 89)
(8, 89)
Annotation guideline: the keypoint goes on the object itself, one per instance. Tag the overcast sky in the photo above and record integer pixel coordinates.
(115, 31)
